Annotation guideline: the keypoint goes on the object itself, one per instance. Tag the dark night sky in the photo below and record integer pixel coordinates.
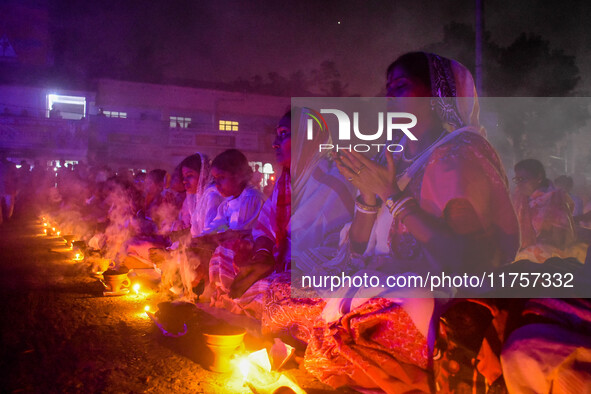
(224, 40)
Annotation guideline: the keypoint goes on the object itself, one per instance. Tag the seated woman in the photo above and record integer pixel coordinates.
(153, 221)
(175, 192)
(197, 212)
(173, 197)
(230, 232)
(445, 205)
(153, 188)
(442, 203)
(271, 234)
(545, 215)
(320, 189)
(201, 200)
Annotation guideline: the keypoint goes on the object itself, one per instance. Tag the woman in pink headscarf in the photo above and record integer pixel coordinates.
(442, 203)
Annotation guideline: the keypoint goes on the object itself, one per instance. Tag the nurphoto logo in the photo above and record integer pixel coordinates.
(402, 121)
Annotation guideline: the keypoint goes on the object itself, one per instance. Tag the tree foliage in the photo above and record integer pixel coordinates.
(527, 68)
(322, 81)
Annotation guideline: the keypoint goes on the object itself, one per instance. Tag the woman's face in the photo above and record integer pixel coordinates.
(526, 182)
(401, 84)
(228, 184)
(190, 179)
(282, 142)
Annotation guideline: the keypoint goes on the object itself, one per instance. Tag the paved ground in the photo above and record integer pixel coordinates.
(60, 334)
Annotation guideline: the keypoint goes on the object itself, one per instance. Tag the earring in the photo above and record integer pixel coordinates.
(433, 103)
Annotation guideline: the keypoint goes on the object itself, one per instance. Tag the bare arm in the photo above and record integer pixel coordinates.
(440, 237)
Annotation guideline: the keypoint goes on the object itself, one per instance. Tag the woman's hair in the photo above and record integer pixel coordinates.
(416, 65)
(535, 168)
(140, 177)
(233, 161)
(193, 162)
(157, 176)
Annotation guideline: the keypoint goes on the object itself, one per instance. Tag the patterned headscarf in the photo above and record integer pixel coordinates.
(454, 94)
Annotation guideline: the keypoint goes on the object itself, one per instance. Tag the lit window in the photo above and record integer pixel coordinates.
(180, 121)
(228, 125)
(115, 114)
(66, 107)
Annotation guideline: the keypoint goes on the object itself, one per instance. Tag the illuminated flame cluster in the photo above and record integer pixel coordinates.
(257, 374)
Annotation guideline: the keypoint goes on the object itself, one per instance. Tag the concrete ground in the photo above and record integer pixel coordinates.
(60, 334)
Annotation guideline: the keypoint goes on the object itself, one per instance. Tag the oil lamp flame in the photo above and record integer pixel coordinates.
(257, 374)
(136, 288)
(244, 366)
(147, 308)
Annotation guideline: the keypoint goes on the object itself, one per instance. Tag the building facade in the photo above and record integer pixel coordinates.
(136, 125)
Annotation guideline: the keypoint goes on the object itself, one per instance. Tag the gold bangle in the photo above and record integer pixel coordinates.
(264, 250)
(365, 207)
(399, 204)
(407, 210)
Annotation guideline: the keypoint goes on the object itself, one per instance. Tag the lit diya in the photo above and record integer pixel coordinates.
(68, 238)
(115, 282)
(224, 343)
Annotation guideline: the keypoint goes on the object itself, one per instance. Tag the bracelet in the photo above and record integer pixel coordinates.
(406, 210)
(399, 204)
(369, 212)
(362, 207)
(392, 201)
(267, 251)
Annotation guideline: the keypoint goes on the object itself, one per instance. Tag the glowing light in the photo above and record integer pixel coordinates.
(79, 102)
(147, 308)
(45, 230)
(77, 256)
(244, 367)
(44, 224)
(58, 233)
(53, 229)
(256, 372)
(261, 358)
(136, 288)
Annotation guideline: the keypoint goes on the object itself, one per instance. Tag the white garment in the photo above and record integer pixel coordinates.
(325, 205)
(236, 213)
(193, 210)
